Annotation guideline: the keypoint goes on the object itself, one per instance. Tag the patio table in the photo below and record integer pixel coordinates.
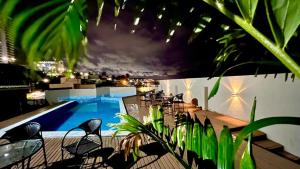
(13, 153)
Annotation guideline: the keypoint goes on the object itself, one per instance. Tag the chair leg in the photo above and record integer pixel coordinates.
(62, 155)
(23, 165)
(28, 162)
(45, 155)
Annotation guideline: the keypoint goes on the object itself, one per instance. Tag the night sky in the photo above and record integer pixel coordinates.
(144, 53)
(120, 52)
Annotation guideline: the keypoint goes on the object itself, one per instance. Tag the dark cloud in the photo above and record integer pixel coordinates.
(120, 52)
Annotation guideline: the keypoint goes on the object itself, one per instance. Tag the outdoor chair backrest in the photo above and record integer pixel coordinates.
(30, 130)
(91, 126)
(179, 97)
(159, 94)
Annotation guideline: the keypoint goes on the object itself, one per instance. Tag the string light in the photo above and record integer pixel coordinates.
(192, 9)
(172, 32)
(115, 26)
(136, 21)
(159, 16)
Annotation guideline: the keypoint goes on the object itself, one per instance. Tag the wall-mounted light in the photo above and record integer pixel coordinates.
(235, 95)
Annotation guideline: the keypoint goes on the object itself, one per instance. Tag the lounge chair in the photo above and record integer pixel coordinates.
(87, 143)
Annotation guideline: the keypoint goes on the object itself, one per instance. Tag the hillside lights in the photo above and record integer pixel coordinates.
(46, 80)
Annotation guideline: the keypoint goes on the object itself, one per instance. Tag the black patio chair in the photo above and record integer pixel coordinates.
(147, 98)
(178, 100)
(159, 96)
(87, 143)
(30, 130)
(167, 103)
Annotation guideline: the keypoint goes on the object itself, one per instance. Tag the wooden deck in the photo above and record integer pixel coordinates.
(152, 157)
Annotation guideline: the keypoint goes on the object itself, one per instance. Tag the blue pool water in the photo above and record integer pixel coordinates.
(83, 109)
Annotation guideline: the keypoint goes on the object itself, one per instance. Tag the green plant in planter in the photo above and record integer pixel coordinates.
(198, 141)
(283, 18)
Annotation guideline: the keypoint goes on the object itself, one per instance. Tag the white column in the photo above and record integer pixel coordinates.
(206, 98)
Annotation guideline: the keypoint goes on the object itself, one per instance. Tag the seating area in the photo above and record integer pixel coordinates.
(89, 151)
(169, 103)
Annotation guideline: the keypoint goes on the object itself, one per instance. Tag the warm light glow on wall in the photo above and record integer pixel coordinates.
(167, 87)
(187, 93)
(236, 103)
(235, 85)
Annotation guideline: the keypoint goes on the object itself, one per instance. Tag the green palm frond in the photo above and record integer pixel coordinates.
(58, 33)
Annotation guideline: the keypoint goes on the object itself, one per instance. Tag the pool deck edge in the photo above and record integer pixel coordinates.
(21, 119)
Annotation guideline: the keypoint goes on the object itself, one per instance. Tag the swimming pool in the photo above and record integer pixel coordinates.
(83, 109)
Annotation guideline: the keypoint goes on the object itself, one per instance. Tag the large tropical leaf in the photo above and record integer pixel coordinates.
(58, 33)
(209, 142)
(100, 9)
(263, 123)
(202, 24)
(197, 138)
(247, 161)
(117, 8)
(278, 52)
(215, 89)
(283, 17)
(225, 150)
(247, 8)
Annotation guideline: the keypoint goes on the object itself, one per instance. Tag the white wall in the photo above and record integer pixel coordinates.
(275, 97)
